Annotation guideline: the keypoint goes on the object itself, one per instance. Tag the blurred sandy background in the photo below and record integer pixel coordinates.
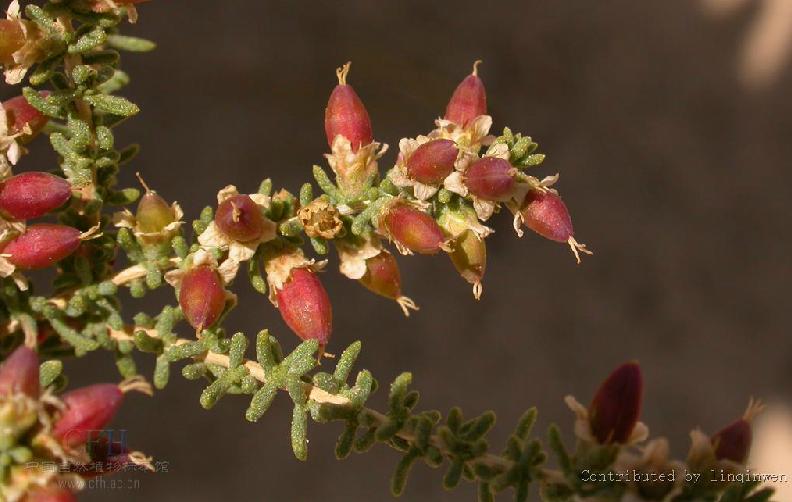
(674, 156)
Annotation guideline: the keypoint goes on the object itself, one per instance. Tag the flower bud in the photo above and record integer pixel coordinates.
(51, 493)
(305, 306)
(12, 38)
(33, 194)
(469, 256)
(20, 114)
(240, 218)
(382, 276)
(491, 178)
(469, 99)
(19, 373)
(431, 162)
(346, 115)
(153, 213)
(733, 442)
(202, 296)
(42, 245)
(615, 409)
(88, 410)
(413, 229)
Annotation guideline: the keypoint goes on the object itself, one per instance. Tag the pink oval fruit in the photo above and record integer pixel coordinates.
(202, 297)
(469, 99)
(413, 229)
(88, 410)
(305, 306)
(431, 162)
(491, 178)
(240, 218)
(33, 194)
(346, 115)
(42, 245)
(19, 373)
(616, 407)
(547, 215)
(20, 113)
(382, 276)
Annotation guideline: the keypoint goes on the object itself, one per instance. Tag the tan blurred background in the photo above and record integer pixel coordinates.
(670, 124)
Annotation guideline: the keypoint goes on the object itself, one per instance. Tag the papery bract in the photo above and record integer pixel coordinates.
(32, 194)
(12, 38)
(42, 245)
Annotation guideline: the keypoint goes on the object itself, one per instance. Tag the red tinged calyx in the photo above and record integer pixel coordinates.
(469, 99)
(19, 373)
(49, 494)
(491, 178)
(733, 442)
(87, 411)
(305, 306)
(202, 297)
(431, 162)
(240, 219)
(346, 115)
(413, 229)
(616, 407)
(382, 277)
(42, 245)
(20, 114)
(546, 214)
(33, 194)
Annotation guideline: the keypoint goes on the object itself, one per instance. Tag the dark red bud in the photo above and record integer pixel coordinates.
(202, 296)
(20, 113)
(305, 306)
(88, 410)
(49, 494)
(413, 229)
(153, 213)
(491, 178)
(12, 38)
(33, 194)
(431, 162)
(240, 218)
(346, 115)
(19, 373)
(547, 215)
(616, 407)
(42, 245)
(469, 99)
(382, 276)
(733, 442)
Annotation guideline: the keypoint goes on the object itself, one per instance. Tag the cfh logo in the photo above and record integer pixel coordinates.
(101, 443)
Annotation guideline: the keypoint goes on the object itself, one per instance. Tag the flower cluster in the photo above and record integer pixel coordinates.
(437, 197)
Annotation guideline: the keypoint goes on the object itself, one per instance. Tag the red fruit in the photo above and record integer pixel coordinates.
(12, 38)
(42, 245)
(413, 229)
(615, 409)
(20, 113)
(733, 442)
(240, 218)
(88, 410)
(305, 306)
(547, 215)
(33, 194)
(202, 297)
(491, 178)
(431, 162)
(49, 494)
(469, 99)
(382, 276)
(346, 115)
(19, 373)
